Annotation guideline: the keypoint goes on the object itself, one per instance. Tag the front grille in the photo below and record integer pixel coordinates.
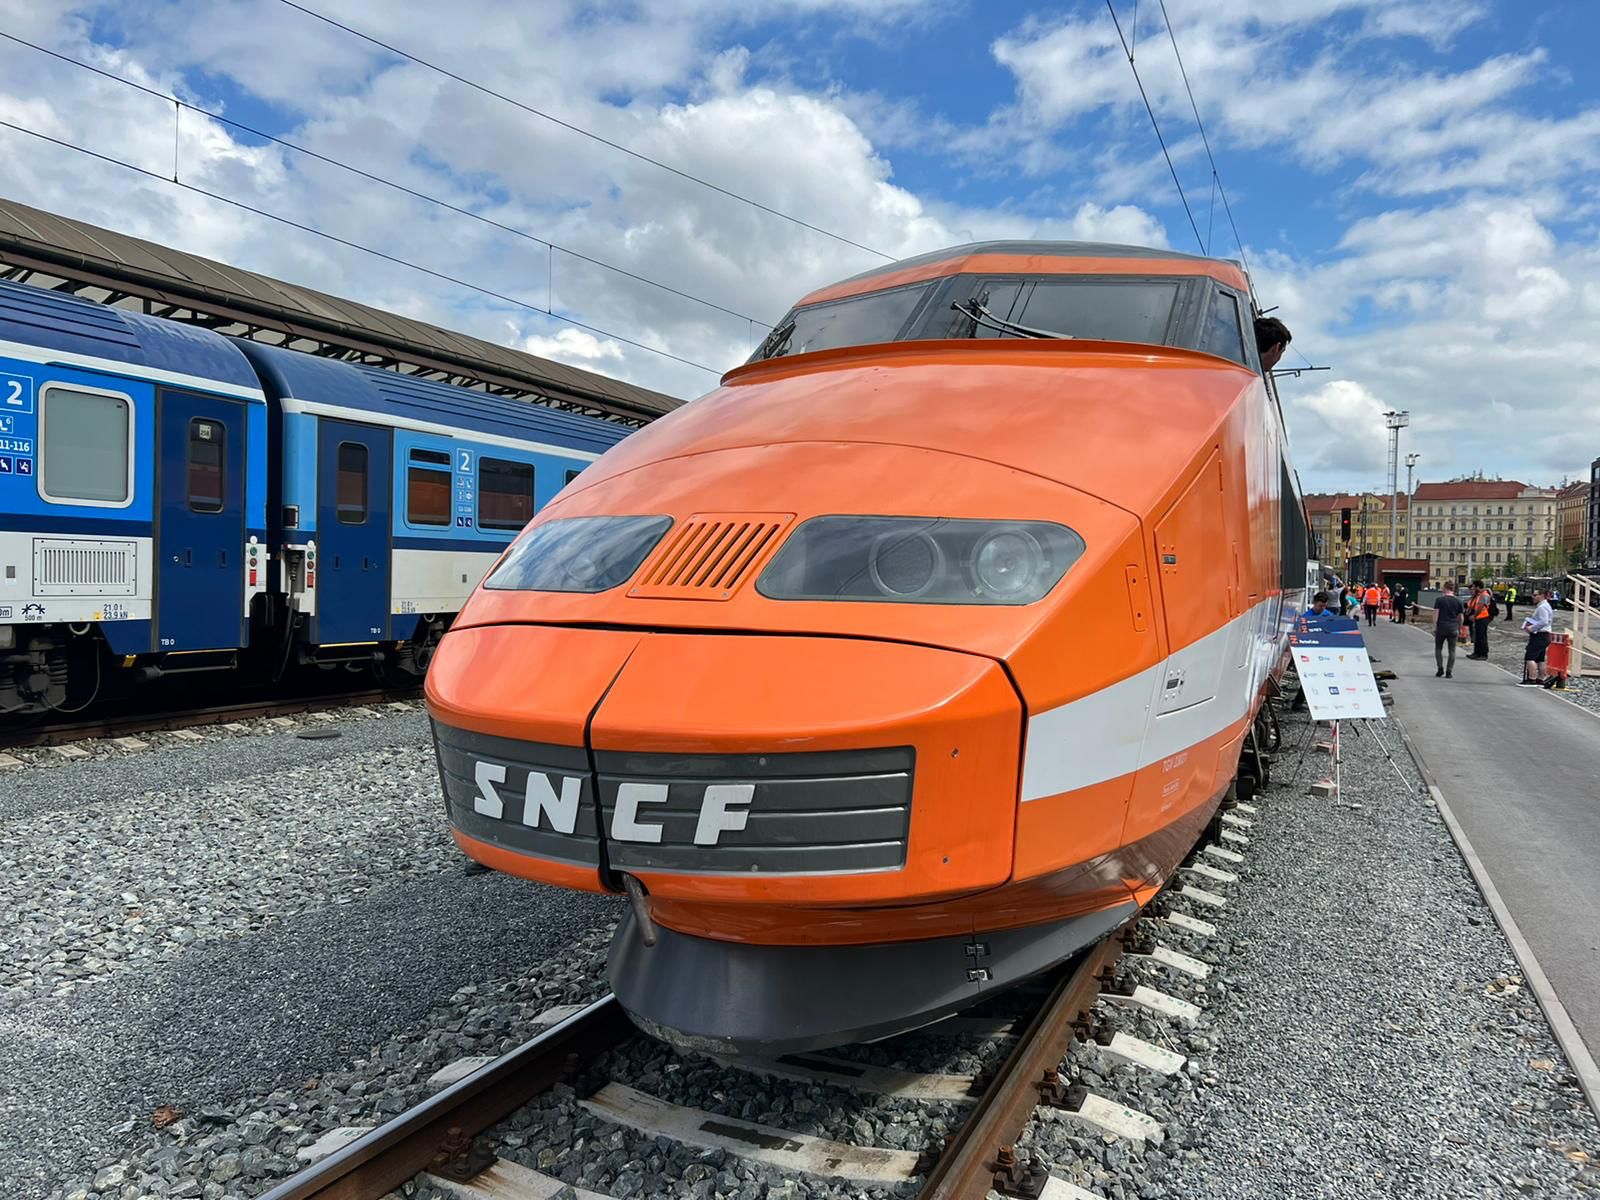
(780, 814)
(710, 556)
(777, 814)
(75, 567)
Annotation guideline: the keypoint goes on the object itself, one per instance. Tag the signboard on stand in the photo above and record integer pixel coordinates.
(1335, 672)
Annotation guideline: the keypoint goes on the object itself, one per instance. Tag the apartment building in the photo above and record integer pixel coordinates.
(1465, 525)
(1572, 515)
(1369, 526)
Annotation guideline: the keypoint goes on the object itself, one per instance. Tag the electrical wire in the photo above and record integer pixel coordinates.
(1199, 124)
(1216, 174)
(354, 170)
(1154, 124)
(582, 132)
(293, 224)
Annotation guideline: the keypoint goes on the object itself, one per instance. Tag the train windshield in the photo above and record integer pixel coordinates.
(1103, 308)
(856, 321)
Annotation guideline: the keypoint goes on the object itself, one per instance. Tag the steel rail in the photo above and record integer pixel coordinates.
(400, 1149)
(54, 734)
(982, 1147)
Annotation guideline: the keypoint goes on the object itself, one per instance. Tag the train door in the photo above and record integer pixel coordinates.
(353, 486)
(1197, 590)
(200, 536)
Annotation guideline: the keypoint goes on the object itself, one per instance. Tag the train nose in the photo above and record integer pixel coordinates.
(728, 769)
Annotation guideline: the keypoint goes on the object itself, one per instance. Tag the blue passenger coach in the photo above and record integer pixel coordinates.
(397, 494)
(133, 457)
(175, 500)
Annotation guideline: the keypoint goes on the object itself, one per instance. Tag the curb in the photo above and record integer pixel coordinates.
(1555, 1013)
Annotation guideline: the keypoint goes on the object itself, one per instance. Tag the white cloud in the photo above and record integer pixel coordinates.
(648, 78)
(577, 347)
(1468, 298)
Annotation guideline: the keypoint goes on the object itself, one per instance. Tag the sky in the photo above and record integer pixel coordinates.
(1415, 184)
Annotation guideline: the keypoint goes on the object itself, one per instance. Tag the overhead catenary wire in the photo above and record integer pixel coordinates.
(179, 104)
(1216, 175)
(1154, 124)
(1216, 181)
(376, 253)
(582, 132)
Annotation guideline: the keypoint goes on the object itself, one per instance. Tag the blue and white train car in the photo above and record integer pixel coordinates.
(396, 495)
(133, 455)
(175, 500)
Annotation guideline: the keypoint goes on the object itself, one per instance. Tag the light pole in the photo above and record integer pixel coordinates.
(1395, 421)
(1411, 506)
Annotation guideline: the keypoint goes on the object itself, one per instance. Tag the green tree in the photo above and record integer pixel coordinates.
(1479, 574)
(1575, 555)
(1549, 561)
(1514, 567)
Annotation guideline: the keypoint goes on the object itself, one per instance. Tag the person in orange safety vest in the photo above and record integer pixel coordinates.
(1478, 615)
(1370, 602)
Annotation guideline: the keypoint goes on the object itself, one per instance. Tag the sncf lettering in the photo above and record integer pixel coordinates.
(561, 810)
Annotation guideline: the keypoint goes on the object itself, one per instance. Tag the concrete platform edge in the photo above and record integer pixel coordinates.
(1555, 1013)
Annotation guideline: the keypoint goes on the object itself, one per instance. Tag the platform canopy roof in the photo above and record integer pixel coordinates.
(72, 256)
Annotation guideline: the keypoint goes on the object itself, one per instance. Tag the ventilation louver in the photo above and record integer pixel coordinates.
(710, 555)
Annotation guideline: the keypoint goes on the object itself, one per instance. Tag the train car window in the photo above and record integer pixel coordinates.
(85, 447)
(1224, 334)
(855, 321)
(571, 475)
(350, 484)
(1113, 311)
(505, 493)
(207, 440)
(1294, 535)
(428, 488)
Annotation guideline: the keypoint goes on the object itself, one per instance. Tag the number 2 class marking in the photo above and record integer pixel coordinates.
(466, 460)
(14, 393)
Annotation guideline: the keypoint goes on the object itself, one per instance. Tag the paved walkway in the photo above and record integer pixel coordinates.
(1520, 769)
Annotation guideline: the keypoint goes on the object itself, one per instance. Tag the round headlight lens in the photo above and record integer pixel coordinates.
(905, 565)
(1008, 563)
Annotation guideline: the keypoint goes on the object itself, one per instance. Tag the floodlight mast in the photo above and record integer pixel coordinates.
(1396, 421)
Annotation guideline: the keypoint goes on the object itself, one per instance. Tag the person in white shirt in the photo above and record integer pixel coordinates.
(1538, 626)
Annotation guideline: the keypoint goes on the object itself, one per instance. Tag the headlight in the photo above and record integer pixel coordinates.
(923, 560)
(578, 554)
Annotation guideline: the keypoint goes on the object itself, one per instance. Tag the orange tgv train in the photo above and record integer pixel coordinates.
(905, 664)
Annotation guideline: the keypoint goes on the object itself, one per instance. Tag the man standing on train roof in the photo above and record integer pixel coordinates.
(1447, 610)
(1272, 339)
(1538, 626)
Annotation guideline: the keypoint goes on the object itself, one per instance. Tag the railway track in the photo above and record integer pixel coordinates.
(438, 1140)
(55, 733)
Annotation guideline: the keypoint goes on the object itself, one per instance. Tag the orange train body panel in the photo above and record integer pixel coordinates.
(932, 660)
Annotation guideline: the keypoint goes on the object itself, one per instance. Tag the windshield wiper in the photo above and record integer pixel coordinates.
(979, 315)
(777, 341)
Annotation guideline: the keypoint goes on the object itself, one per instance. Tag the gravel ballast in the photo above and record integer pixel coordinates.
(1365, 1030)
(202, 925)
(1367, 1033)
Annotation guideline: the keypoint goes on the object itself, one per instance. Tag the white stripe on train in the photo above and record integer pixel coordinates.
(1139, 721)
